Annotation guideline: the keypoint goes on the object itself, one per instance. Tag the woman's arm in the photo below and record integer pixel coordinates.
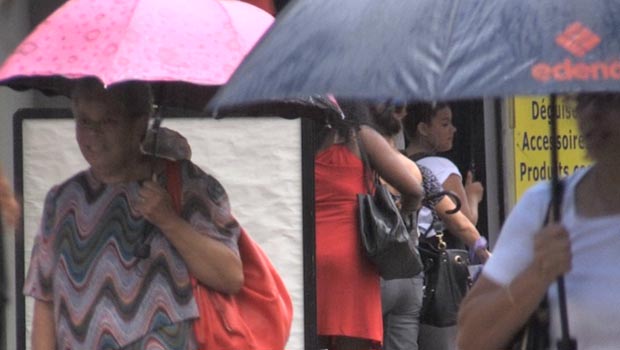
(9, 207)
(210, 261)
(491, 314)
(470, 194)
(387, 162)
(43, 326)
(460, 225)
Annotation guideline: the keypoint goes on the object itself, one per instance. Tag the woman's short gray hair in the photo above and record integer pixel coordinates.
(135, 97)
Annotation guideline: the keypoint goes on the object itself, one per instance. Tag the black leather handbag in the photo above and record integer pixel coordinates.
(388, 242)
(446, 281)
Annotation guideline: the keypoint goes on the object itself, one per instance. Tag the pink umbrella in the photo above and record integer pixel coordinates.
(187, 44)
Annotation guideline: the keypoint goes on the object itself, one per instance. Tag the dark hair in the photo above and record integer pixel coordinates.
(420, 112)
(135, 97)
(602, 100)
(384, 121)
(355, 112)
(343, 123)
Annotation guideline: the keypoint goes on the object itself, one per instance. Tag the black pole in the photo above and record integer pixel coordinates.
(19, 270)
(565, 342)
(3, 284)
(308, 141)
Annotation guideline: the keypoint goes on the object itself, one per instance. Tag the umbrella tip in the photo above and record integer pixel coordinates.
(215, 112)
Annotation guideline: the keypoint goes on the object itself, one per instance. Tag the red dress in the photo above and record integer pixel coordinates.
(348, 285)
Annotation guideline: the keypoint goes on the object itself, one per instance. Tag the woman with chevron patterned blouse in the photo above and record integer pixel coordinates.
(91, 289)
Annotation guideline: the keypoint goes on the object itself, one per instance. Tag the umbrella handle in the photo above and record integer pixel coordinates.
(142, 250)
(155, 127)
(566, 342)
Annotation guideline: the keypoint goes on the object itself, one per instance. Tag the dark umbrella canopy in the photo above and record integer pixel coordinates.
(318, 107)
(175, 94)
(432, 50)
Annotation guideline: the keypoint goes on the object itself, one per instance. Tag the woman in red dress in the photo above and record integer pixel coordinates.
(348, 286)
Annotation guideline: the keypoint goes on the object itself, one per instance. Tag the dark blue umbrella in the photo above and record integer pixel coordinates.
(433, 50)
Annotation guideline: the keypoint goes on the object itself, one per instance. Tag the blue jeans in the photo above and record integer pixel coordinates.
(401, 301)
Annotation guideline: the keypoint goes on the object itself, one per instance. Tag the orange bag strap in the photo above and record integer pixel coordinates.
(174, 188)
(173, 184)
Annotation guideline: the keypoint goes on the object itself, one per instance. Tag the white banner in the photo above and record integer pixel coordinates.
(258, 161)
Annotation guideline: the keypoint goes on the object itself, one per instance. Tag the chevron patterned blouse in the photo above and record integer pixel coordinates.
(103, 296)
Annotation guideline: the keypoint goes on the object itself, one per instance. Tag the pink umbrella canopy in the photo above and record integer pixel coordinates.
(182, 45)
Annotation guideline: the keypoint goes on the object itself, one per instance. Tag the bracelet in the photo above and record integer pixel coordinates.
(481, 243)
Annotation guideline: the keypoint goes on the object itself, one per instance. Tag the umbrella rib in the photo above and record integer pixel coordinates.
(123, 34)
(446, 44)
(230, 19)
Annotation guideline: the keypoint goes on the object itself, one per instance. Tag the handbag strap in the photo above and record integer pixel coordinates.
(410, 220)
(173, 184)
(366, 163)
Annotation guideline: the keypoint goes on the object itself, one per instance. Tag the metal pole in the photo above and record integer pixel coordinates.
(309, 140)
(3, 285)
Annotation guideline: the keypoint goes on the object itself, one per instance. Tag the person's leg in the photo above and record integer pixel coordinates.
(402, 299)
(437, 338)
(390, 293)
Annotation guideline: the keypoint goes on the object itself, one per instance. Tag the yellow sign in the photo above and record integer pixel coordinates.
(532, 141)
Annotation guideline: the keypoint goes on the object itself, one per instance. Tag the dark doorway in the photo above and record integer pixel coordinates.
(468, 151)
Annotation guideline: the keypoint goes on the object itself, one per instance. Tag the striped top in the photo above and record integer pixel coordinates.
(83, 262)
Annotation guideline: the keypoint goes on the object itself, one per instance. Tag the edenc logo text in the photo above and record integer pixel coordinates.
(568, 70)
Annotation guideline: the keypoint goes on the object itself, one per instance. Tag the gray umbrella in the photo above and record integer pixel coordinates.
(433, 50)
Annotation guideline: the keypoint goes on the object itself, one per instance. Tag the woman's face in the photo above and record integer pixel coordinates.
(108, 140)
(400, 112)
(599, 123)
(440, 131)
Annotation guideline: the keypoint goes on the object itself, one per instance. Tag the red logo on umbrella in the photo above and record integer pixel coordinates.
(578, 39)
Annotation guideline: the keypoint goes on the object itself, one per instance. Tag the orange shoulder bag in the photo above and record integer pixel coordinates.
(259, 316)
